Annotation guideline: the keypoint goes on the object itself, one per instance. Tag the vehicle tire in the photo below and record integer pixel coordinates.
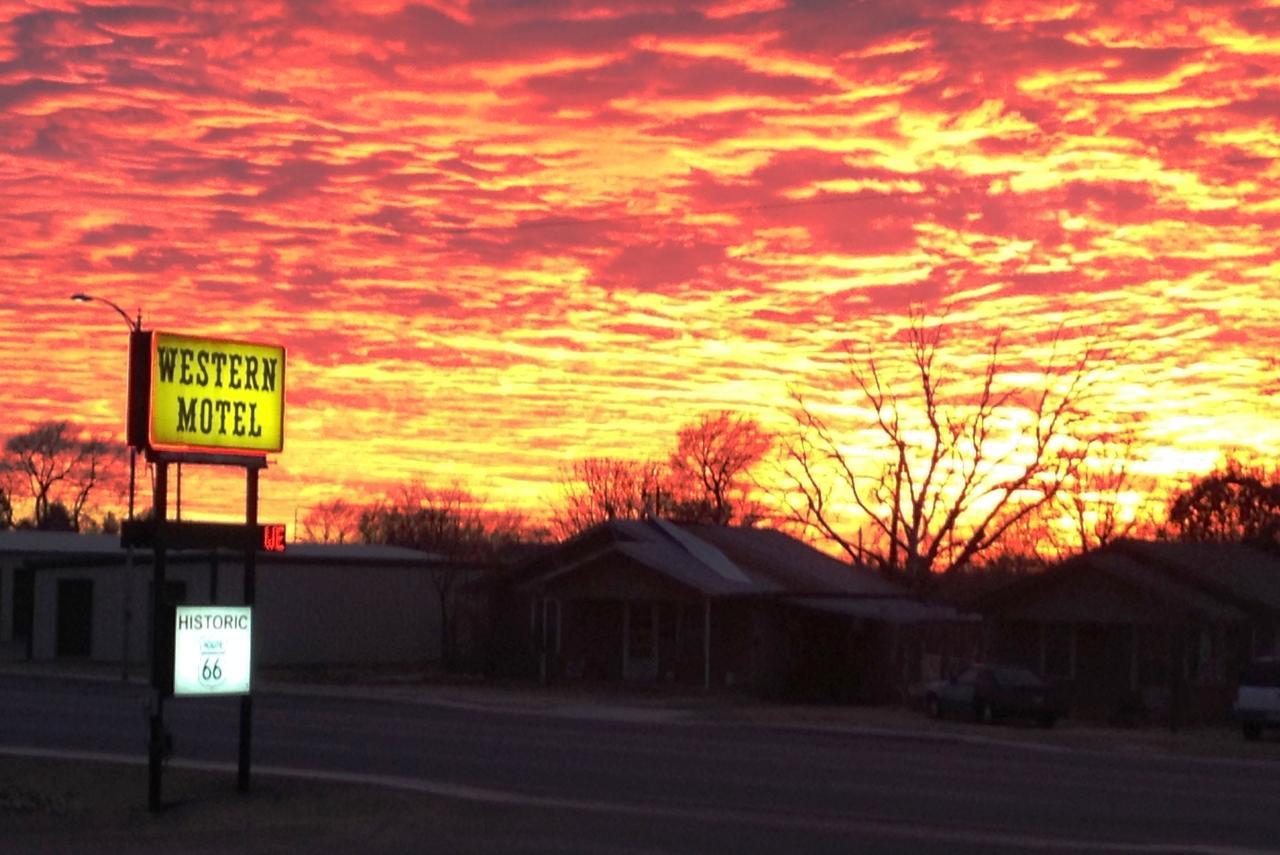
(984, 713)
(932, 707)
(1252, 731)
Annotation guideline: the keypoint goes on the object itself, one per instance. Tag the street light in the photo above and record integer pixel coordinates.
(135, 325)
(135, 328)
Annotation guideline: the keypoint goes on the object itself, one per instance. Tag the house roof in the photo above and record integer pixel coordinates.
(1217, 583)
(716, 560)
(885, 609)
(783, 563)
(1169, 589)
(1240, 572)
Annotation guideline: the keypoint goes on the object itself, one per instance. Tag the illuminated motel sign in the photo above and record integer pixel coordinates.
(215, 395)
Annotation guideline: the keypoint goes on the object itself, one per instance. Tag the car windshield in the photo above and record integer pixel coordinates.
(1020, 677)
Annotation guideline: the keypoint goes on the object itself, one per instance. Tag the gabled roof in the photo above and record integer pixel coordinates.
(1240, 572)
(1214, 582)
(778, 560)
(715, 560)
(1168, 589)
(885, 609)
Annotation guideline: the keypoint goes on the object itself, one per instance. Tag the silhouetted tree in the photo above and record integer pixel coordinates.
(1235, 503)
(57, 518)
(57, 466)
(710, 466)
(110, 523)
(6, 510)
(596, 489)
(1104, 499)
(958, 467)
(450, 523)
(336, 521)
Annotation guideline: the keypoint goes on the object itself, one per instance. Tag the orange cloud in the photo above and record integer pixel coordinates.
(494, 239)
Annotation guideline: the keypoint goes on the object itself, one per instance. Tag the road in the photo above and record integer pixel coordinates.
(696, 785)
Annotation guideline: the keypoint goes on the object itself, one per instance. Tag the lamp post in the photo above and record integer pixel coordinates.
(135, 328)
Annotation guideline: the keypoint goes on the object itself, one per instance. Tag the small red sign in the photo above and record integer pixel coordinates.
(273, 538)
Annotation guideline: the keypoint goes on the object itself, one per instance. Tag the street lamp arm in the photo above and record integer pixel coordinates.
(134, 324)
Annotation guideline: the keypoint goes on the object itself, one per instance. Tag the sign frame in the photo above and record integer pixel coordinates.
(214, 658)
(149, 382)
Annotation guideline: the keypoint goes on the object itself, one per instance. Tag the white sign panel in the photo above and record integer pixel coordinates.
(211, 650)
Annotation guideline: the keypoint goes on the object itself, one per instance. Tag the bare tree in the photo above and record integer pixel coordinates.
(596, 489)
(336, 521)
(1104, 499)
(59, 467)
(957, 468)
(6, 496)
(710, 465)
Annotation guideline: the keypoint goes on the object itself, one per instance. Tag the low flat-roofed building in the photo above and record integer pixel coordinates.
(65, 595)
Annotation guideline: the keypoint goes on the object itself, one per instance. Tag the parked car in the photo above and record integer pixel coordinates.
(1258, 697)
(990, 692)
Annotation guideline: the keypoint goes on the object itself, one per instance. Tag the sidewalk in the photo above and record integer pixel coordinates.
(662, 705)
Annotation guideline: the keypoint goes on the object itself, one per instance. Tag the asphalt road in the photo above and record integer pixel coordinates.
(694, 786)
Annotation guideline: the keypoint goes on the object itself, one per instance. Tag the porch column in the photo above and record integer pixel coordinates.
(626, 639)
(706, 643)
(1134, 639)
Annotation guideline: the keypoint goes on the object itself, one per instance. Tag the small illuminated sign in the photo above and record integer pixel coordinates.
(216, 395)
(211, 650)
(273, 537)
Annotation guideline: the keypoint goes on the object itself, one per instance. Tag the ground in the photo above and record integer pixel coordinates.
(54, 806)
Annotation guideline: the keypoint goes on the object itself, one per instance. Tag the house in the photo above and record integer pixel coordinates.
(73, 596)
(653, 601)
(1155, 628)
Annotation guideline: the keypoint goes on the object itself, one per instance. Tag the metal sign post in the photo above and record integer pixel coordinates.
(250, 584)
(162, 534)
(157, 736)
(213, 402)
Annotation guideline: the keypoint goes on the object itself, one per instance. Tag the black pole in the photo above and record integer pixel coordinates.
(155, 743)
(126, 607)
(250, 584)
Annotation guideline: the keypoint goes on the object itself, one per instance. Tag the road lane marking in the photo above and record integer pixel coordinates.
(769, 819)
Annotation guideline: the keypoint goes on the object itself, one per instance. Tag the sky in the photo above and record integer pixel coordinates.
(496, 237)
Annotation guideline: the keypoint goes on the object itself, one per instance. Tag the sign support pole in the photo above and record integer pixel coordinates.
(156, 742)
(250, 584)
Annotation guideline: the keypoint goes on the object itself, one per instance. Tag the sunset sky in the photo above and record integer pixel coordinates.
(495, 237)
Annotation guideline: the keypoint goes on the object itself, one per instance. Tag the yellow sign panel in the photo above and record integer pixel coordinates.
(216, 395)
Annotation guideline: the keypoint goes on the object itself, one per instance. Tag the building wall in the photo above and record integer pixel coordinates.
(331, 614)
(109, 616)
(306, 614)
(7, 566)
(1130, 672)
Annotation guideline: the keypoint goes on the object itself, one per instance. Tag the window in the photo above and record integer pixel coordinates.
(1017, 678)
(1265, 673)
(551, 625)
(1199, 657)
(1059, 646)
(1264, 639)
(640, 644)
